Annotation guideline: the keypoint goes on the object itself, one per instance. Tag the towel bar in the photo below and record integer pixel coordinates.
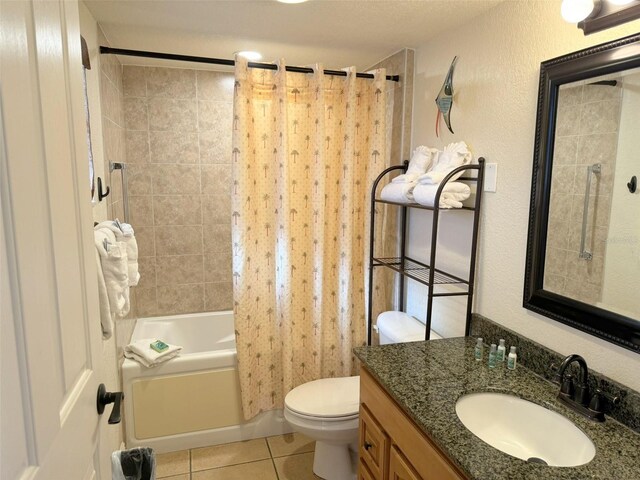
(125, 191)
(591, 169)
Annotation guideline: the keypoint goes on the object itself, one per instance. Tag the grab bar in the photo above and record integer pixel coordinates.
(591, 169)
(125, 192)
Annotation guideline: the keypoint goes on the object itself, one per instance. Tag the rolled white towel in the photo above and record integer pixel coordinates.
(398, 192)
(406, 178)
(124, 233)
(113, 261)
(127, 229)
(452, 196)
(421, 159)
(142, 352)
(453, 156)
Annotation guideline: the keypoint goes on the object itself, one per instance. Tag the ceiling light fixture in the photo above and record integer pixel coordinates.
(574, 11)
(249, 55)
(596, 15)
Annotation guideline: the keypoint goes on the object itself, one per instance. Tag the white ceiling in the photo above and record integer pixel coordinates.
(337, 33)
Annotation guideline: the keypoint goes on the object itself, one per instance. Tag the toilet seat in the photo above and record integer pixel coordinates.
(327, 399)
(327, 411)
(317, 418)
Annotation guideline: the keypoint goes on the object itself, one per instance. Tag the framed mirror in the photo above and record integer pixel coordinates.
(583, 250)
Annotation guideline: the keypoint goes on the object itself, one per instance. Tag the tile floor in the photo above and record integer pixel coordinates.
(283, 457)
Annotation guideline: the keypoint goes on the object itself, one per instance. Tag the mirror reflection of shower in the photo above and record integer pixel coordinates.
(593, 241)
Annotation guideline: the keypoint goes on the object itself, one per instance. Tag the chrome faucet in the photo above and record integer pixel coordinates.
(576, 394)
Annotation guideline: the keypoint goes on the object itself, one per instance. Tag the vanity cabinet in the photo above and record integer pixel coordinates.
(391, 446)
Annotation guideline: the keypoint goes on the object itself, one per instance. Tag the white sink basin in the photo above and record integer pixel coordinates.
(524, 429)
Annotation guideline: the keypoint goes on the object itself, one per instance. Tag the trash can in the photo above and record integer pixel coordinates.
(133, 464)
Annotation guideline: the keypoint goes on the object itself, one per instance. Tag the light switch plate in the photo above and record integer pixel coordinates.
(490, 177)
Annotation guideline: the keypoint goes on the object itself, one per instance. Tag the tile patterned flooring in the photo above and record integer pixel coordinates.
(282, 457)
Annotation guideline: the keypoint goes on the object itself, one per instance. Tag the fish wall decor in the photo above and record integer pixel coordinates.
(444, 100)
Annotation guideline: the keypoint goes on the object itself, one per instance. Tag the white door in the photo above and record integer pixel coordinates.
(50, 330)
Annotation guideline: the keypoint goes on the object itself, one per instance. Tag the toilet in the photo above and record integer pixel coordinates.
(326, 410)
(400, 327)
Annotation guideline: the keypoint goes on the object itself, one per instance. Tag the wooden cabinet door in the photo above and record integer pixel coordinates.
(363, 472)
(374, 446)
(399, 467)
(418, 451)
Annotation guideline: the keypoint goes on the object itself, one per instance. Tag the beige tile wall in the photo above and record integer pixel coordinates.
(178, 146)
(400, 98)
(586, 133)
(113, 145)
(113, 133)
(399, 105)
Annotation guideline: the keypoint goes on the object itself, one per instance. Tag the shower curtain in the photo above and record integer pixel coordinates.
(306, 149)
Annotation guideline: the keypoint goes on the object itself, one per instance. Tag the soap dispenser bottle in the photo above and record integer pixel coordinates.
(492, 356)
(502, 351)
(478, 350)
(513, 358)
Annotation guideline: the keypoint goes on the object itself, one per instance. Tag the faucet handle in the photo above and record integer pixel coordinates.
(596, 400)
(553, 367)
(567, 387)
(595, 405)
(581, 395)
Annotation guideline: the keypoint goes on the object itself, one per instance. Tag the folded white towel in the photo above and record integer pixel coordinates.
(124, 233)
(398, 192)
(406, 178)
(453, 156)
(452, 196)
(141, 352)
(106, 320)
(113, 260)
(421, 159)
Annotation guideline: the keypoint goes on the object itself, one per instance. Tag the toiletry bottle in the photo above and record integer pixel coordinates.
(492, 356)
(513, 357)
(502, 351)
(479, 348)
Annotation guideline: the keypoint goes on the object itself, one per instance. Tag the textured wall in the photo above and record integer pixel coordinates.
(496, 84)
(178, 150)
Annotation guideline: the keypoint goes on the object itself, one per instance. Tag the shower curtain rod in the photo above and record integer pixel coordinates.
(222, 61)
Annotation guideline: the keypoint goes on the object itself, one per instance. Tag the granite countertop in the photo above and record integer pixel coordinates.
(427, 378)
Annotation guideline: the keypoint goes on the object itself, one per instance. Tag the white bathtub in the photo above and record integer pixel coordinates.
(192, 400)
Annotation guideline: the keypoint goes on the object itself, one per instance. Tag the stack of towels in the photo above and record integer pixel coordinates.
(117, 261)
(141, 352)
(427, 169)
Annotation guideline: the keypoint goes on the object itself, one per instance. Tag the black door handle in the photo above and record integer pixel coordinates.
(105, 398)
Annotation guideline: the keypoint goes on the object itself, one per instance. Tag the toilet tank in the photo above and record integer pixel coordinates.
(400, 327)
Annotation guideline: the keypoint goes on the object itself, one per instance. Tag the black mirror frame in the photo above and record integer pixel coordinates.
(615, 56)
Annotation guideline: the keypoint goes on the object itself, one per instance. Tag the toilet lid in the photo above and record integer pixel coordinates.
(328, 397)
